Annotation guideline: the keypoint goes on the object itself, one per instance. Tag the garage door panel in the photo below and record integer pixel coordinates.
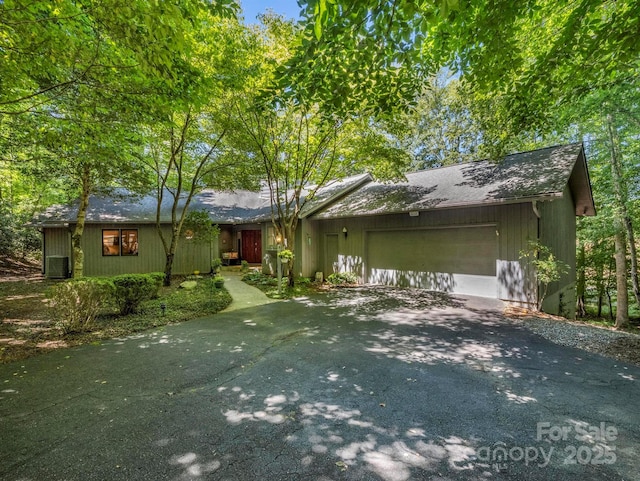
(461, 260)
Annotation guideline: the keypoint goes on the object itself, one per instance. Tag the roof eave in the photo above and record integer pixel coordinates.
(580, 185)
(490, 202)
(338, 195)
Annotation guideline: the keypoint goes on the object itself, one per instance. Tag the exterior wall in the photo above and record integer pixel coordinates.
(190, 255)
(55, 242)
(303, 249)
(269, 251)
(226, 241)
(515, 225)
(308, 242)
(558, 232)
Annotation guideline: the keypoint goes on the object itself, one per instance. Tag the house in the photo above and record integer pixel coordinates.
(458, 229)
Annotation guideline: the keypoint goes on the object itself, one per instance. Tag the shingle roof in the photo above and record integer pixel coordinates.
(536, 175)
(224, 207)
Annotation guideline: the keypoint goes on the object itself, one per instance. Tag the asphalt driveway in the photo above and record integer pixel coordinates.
(359, 384)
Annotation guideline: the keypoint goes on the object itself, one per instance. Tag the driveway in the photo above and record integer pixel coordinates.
(379, 384)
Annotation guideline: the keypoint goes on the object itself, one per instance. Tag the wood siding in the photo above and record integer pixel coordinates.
(55, 242)
(190, 255)
(558, 232)
(515, 225)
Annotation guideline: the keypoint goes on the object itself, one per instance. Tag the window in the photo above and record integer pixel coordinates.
(120, 242)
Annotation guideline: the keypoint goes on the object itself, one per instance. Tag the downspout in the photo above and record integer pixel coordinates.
(534, 206)
(44, 251)
(69, 236)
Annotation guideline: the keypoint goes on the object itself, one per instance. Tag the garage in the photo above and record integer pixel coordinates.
(459, 260)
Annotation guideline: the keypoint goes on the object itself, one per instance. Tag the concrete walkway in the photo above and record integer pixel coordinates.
(243, 294)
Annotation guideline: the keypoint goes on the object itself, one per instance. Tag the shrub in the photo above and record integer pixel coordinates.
(342, 278)
(253, 277)
(158, 278)
(216, 264)
(78, 302)
(133, 289)
(548, 268)
(245, 266)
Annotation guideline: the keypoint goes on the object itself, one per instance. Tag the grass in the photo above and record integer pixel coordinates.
(607, 319)
(591, 318)
(28, 327)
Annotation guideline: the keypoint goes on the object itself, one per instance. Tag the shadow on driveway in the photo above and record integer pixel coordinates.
(376, 384)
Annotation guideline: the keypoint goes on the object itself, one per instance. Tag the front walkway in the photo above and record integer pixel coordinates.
(243, 294)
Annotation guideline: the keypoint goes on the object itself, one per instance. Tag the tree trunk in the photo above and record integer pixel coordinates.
(610, 304)
(633, 256)
(600, 283)
(168, 266)
(580, 286)
(622, 295)
(76, 237)
(170, 255)
(620, 214)
(289, 235)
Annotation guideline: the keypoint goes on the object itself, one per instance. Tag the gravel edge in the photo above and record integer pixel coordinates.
(619, 345)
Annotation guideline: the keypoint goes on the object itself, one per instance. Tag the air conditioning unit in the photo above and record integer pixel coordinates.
(57, 267)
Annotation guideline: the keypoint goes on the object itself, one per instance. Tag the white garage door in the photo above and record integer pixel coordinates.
(459, 260)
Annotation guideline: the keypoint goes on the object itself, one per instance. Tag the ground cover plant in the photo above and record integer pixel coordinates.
(269, 285)
(30, 325)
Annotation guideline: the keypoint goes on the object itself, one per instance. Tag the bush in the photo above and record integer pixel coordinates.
(132, 289)
(216, 264)
(342, 278)
(548, 268)
(158, 278)
(77, 302)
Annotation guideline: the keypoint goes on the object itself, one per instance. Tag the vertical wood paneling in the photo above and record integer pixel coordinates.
(190, 255)
(558, 231)
(516, 223)
(57, 242)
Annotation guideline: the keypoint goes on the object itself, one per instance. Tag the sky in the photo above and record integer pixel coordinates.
(251, 8)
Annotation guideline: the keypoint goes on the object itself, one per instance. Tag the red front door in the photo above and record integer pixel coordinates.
(252, 246)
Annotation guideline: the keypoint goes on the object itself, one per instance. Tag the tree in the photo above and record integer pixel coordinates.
(548, 268)
(300, 148)
(79, 75)
(441, 129)
(49, 47)
(89, 150)
(186, 149)
(531, 55)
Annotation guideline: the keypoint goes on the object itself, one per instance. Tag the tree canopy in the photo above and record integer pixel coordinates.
(533, 54)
